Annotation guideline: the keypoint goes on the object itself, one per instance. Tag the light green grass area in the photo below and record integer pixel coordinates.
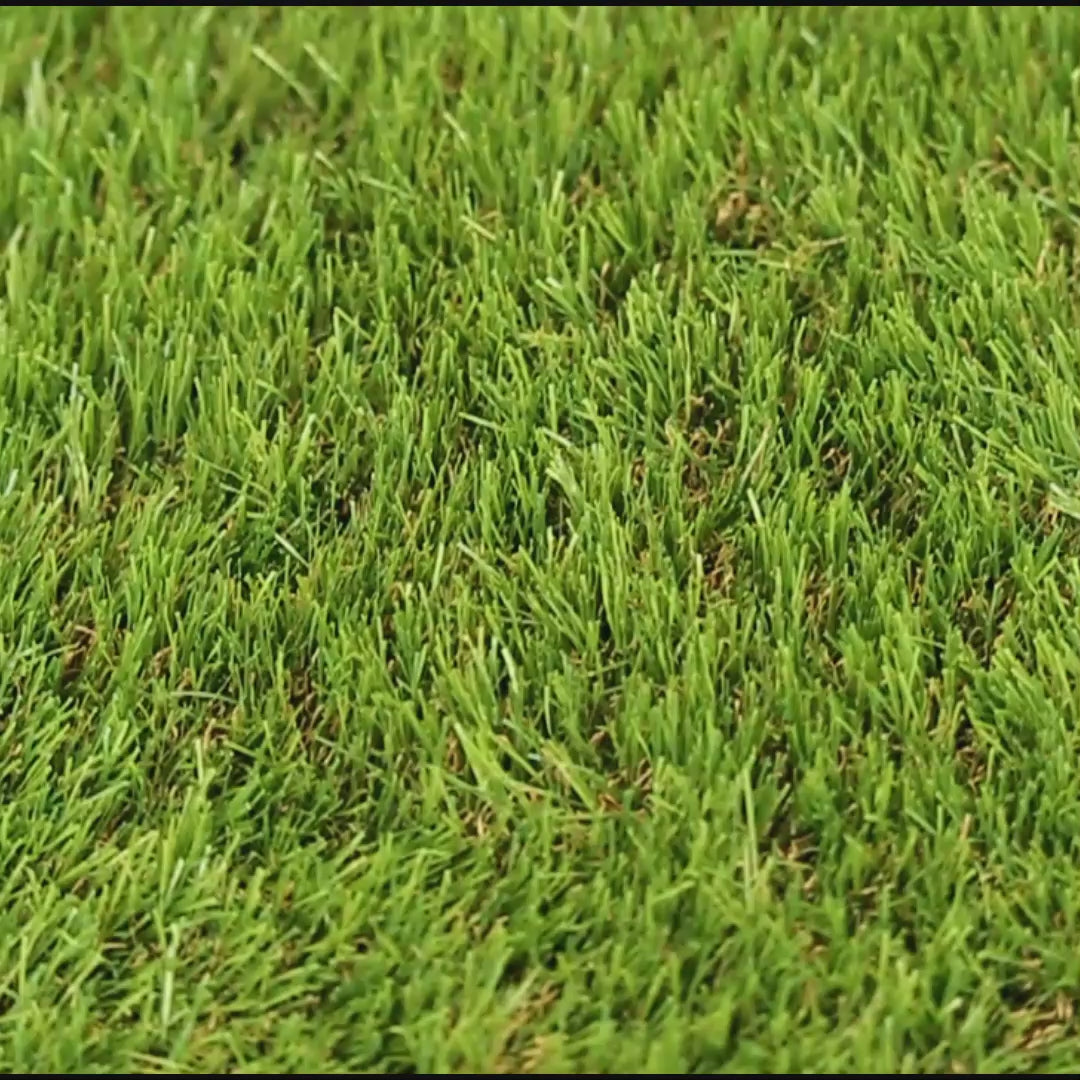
(539, 539)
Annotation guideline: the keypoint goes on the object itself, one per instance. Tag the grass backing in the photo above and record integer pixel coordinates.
(539, 539)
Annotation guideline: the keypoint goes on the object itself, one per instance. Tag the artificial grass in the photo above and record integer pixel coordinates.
(539, 539)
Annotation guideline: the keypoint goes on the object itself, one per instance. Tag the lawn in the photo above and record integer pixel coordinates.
(539, 539)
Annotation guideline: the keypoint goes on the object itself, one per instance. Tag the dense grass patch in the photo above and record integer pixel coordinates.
(539, 539)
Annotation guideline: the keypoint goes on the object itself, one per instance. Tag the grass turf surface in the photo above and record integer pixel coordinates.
(539, 539)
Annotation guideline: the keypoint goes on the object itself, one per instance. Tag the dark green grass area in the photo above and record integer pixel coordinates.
(539, 539)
